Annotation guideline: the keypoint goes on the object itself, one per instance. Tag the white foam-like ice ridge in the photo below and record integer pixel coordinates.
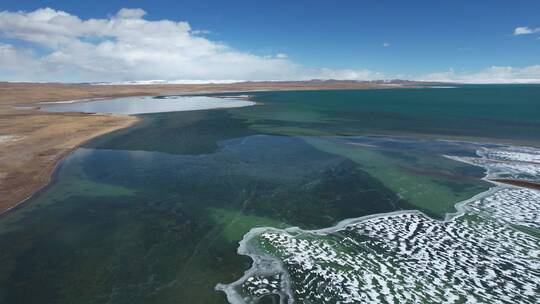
(521, 154)
(264, 265)
(522, 163)
(409, 257)
(511, 204)
(478, 253)
(516, 206)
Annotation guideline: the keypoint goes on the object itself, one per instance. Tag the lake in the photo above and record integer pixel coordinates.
(154, 213)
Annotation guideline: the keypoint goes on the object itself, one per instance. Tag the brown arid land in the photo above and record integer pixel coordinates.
(519, 183)
(32, 142)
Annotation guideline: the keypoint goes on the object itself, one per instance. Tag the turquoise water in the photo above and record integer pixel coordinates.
(509, 113)
(153, 214)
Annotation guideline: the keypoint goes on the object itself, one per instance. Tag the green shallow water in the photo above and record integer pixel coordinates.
(153, 214)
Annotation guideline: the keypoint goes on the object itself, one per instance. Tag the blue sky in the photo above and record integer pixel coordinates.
(422, 37)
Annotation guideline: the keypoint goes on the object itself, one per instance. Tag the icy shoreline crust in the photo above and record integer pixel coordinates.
(475, 255)
(514, 205)
(508, 162)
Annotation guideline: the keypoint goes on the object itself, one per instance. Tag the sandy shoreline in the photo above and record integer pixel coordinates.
(43, 140)
(34, 142)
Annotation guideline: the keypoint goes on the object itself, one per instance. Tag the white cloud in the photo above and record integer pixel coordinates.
(201, 32)
(58, 46)
(522, 30)
(128, 47)
(386, 44)
(494, 74)
(131, 13)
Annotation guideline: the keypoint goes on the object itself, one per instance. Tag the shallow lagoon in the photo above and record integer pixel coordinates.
(145, 105)
(153, 214)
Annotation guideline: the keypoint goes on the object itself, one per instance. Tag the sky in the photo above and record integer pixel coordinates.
(116, 40)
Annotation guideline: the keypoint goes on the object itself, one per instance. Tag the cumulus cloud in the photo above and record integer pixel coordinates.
(522, 30)
(52, 45)
(63, 47)
(494, 74)
(18, 64)
(134, 13)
